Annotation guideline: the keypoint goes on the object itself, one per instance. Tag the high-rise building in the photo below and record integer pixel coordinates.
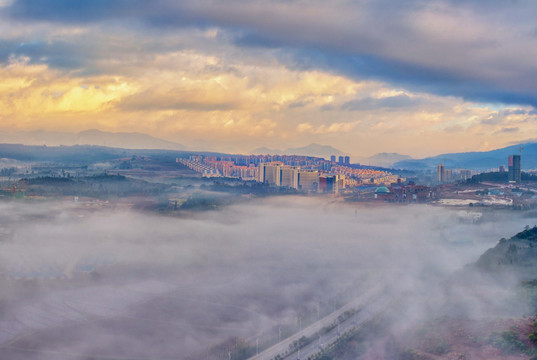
(514, 174)
(308, 180)
(270, 173)
(341, 181)
(289, 177)
(440, 173)
(328, 183)
(333, 158)
(465, 174)
(347, 160)
(502, 168)
(340, 160)
(279, 174)
(447, 175)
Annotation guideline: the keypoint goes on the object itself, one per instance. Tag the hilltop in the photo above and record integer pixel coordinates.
(458, 330)
(517, 254)
(323, 151)
(384, 159)
(478, 160)
(125, 140)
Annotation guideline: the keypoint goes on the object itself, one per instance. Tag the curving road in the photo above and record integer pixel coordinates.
(367, 305)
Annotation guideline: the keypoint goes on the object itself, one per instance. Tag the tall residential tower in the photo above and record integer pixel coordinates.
(514, 174)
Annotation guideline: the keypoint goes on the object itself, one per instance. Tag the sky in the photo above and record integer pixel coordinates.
(413, 77)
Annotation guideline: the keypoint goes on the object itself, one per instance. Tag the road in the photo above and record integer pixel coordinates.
(367, 305)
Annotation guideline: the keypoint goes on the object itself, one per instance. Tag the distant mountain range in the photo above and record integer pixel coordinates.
(383, 159)
(124, 140)
(323, 151)
(11, 154)
(478, 160)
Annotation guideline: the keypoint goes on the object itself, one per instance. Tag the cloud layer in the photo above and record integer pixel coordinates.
(221, 71)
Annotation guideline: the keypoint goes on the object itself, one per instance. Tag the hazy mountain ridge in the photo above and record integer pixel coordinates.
(266, 151)
(384, 159)
(81, 154)
(124, 140)
(480, 160)
(130, 140)
(313, 149)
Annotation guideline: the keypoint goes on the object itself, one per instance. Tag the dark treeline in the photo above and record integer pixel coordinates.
(497, 177)
(98, 186)
(248, 187)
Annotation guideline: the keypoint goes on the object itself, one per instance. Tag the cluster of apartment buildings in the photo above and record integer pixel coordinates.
(297, 172)
(447, 175)
(280, 174)
(199, 167)
(229, 169)
(211, 167)
(293, 160)
(514, 172)
(365, 176)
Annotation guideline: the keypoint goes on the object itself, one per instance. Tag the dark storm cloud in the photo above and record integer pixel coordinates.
(157, 13)
(6, 49)
(412, 76)
(87, 54)
(476, 51)
(58, 54)
(77, 11)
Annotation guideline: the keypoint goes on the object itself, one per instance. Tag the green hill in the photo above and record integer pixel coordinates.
(518, 254)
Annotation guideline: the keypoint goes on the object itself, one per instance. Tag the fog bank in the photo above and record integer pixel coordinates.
(78, 283)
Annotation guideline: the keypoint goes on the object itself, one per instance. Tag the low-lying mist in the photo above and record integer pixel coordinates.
(78, 282)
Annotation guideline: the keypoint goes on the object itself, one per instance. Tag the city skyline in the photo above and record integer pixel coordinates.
(417, 78)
